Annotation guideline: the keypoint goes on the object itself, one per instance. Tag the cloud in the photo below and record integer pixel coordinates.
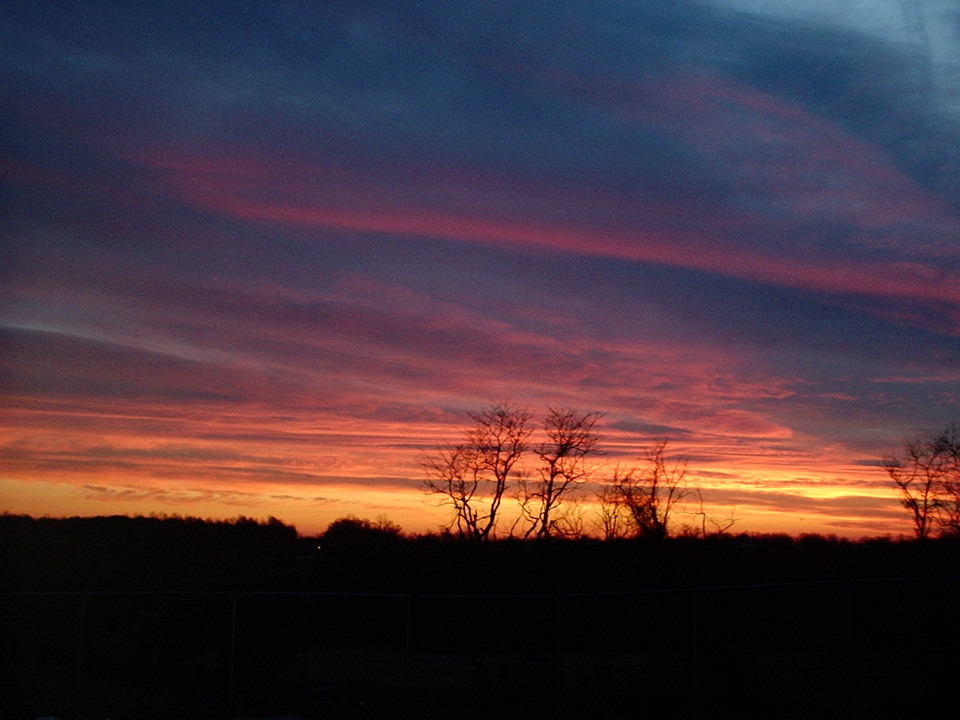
(702, 162)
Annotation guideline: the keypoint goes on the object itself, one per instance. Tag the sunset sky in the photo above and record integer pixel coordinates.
(256, 257)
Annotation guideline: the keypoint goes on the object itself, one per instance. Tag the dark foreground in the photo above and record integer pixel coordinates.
(146, 618)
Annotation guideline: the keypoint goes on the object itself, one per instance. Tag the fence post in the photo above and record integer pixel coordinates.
(80, 639)
(851, 653)
(304, 623)
(233, 650)
(407, 650)
(695, 663)
(557, 657)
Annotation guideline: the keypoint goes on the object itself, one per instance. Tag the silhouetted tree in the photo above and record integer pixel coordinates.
(563, 467)
(928, 477)
(360, 554)
(613, 520)
(709, 524)
(639, 501)
(474, 475)
(350, 527)
(948, 447)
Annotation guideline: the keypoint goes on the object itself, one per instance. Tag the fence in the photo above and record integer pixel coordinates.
(795, 649)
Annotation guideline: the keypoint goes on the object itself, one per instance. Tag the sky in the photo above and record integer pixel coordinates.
(257, 258)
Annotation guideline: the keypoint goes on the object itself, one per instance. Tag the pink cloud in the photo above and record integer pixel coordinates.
(875, 196)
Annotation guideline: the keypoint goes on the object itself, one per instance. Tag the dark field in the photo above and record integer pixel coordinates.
(147, 618)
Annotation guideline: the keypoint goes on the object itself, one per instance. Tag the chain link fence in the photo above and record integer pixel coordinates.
(872, 648)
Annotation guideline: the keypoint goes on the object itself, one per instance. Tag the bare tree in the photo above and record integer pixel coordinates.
(474, 475)
(569, 521)
(645, 497)
(563, 466)
(928, 477)
(453, 473)
(717, 526)
(947, 448)
(613, 520)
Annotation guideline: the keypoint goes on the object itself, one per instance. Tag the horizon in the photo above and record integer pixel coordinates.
(257, 260)
(386, 525)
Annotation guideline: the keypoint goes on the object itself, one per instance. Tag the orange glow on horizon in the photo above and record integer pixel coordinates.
(305, 473)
